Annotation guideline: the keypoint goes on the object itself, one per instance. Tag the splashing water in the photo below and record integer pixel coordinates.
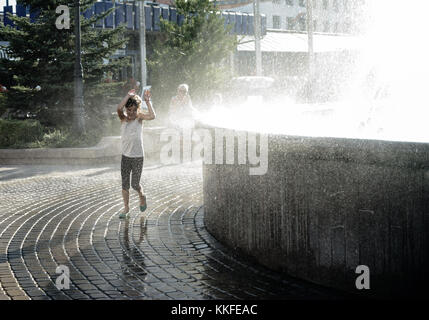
(387, 100)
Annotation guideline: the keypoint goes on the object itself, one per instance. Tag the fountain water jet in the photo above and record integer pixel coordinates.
(347, 182)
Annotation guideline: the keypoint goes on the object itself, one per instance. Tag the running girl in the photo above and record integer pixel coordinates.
(132, 145)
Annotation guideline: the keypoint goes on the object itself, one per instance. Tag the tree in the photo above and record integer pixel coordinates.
(191, 53)
(43, 55)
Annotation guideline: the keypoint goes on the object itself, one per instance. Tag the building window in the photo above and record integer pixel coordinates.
(325, 4)
(346, 27)
(335, 5)
(314, 25)
(289, 2)
(336, 27)
(290, 23)
(326, 26)
(276, 22)
(302, 3)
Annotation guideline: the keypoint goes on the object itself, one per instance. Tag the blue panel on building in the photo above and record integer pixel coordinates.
(164, 13)
(156, 18)
(173, 15)
(88, 13)
(250, 25)
(156, 15)
(264, 25)
(34, 14)
(225, 19)
(99, 8)
(7, 21)
(244, 17)
(231, 22)
(136, 17)
(119, 14)
(129, 16)
(108, 21)
(223, 15)
(238, 23)
(148, 18)
(21, 11)
(180, 19)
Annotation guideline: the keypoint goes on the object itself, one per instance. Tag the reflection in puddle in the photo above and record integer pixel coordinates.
(133, 265)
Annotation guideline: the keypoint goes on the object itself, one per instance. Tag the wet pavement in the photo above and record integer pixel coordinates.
(52, 215)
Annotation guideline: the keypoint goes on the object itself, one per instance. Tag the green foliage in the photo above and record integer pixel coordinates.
(18, 133)
(44, 55)
(55, 139)
(64, 137)
(192, 53)
(32, 134)
(3, 102)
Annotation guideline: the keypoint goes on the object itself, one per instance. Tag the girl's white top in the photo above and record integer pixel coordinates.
(132, 139)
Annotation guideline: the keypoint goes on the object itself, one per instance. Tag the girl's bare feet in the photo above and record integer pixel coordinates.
(124, 213)
(143, 204)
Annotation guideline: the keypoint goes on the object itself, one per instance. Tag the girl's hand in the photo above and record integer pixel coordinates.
(132, 92)
(146, 95)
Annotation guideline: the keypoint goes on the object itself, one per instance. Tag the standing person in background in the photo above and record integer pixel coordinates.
(181, 109)
(131, 116)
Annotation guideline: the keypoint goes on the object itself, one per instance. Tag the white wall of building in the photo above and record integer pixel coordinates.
(3, 3)
(336, 18)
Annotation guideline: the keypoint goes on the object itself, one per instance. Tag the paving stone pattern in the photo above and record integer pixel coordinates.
(51, 216)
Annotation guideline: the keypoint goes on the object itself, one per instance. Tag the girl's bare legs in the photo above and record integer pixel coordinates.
(141, 196)
(126, 197)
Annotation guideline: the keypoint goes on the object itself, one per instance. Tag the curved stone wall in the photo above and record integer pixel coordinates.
(108, 150)
(327, 205)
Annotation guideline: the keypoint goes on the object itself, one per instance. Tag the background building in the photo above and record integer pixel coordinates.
(329, 16)
(284, 48)
(284, 45)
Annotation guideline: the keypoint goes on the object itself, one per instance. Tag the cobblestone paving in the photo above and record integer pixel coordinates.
(51, 216)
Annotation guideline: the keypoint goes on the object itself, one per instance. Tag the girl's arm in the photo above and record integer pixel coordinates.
(151, 114)
(121, 105)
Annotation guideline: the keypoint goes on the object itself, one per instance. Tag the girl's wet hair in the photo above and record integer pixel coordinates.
(133, 101)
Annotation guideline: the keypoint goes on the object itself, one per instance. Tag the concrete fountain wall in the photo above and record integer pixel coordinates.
(327, 205)
(108, 150)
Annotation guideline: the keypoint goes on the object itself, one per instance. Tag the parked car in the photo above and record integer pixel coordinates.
(250, 88)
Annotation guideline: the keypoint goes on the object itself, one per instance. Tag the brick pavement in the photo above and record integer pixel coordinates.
(52, 215)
